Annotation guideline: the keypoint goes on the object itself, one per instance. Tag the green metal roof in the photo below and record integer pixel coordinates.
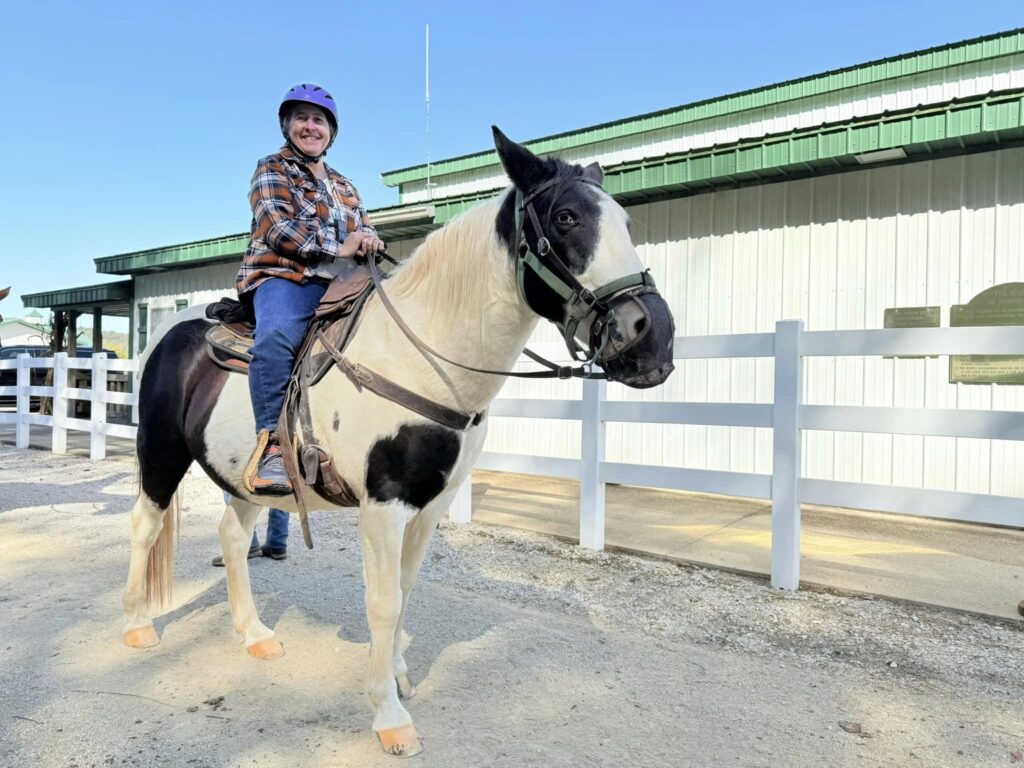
(984, 122)
(941, 57)
(117, 296)
(227, 248)
(217, 249)
(971, 124)
(981, 122)
(19, 321)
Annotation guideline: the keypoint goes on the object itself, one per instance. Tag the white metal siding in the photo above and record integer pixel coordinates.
(835, 251)
(200, 285)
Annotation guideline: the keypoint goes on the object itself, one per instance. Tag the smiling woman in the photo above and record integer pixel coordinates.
(308, 223)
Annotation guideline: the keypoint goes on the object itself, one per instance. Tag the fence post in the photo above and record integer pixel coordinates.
(98, 408)
(786, 455)
(23, 404)
(59, 442)
(591, 455)
(461, 509)
(135, 383)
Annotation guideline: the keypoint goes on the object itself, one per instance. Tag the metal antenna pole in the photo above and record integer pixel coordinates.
(430, 191)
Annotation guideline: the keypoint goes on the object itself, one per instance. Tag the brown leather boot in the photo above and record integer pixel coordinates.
(265, 473)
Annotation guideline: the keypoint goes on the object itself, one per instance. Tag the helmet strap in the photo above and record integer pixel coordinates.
(307, 159)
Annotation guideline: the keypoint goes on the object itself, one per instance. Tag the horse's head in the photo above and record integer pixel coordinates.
(577, 267)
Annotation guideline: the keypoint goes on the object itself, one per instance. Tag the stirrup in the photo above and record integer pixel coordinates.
(266, 442)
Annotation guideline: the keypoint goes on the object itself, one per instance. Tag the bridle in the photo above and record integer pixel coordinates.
(581, 304)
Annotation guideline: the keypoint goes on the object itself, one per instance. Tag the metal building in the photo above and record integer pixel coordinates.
(885, 193)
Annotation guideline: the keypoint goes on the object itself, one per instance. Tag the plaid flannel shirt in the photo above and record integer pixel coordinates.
(292, 230)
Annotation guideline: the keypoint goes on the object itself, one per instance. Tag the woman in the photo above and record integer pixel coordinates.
(307, 219)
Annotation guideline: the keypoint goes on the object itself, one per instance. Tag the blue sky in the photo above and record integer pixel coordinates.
(137, 125)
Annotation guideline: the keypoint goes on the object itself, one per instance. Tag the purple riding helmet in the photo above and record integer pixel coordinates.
(308, 93)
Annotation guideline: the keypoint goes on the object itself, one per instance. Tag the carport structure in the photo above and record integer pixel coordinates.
(111, 299)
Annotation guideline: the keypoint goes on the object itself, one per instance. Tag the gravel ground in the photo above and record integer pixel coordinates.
(526, 651)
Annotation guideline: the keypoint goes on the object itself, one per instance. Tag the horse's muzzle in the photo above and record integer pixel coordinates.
(641, 334)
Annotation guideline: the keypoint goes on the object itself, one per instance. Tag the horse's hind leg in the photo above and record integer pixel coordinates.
(147, 524)
(235, 535)
(163, 461)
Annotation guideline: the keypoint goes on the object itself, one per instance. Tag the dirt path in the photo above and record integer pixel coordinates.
(526, 651)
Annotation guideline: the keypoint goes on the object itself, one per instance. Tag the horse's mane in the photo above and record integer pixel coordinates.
(466, 250)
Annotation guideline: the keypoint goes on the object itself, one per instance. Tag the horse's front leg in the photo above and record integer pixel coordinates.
(382, 526)
(235, 536)
(417, 536)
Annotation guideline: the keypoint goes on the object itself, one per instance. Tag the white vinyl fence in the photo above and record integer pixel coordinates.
(787, 416)
(63, 396)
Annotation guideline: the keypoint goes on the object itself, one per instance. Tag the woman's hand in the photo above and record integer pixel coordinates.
(361, 244)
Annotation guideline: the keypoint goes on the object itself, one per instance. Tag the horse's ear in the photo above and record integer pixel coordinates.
(522, 166)
(594, 173)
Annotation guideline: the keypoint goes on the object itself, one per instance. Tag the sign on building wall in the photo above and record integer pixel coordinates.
(998, 305)
(911, 317)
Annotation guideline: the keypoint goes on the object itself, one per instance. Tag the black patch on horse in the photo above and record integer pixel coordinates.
(179, 389)
(413, 466)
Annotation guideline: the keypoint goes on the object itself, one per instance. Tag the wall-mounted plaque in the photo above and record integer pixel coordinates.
(911, 317)
(998, 305)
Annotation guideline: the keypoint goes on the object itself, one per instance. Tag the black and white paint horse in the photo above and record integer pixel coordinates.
(462, 294)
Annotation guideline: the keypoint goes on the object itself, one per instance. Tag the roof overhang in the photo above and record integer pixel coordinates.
(982, 123)
(110, 298)
(228, 248)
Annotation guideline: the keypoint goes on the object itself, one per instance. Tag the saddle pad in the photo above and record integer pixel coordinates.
(229, 348)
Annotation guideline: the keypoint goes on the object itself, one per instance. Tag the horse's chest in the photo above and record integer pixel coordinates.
(412, 466)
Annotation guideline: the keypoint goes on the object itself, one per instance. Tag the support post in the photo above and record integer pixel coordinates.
(23, 406)
(786, 455)
(97, 329)
(72, 346)
(98, 407)
(60, 403)
(592, 522)
(59, 326)
(461, 510)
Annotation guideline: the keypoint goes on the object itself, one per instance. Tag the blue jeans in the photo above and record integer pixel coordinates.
(277, 530)
(283, 310)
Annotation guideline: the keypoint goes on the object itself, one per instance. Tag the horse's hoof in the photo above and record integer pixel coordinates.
(143, 637)
(400, 742)
(406, 690)
(266, 650)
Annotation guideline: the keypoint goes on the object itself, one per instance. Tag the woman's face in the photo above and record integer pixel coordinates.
(309, 129)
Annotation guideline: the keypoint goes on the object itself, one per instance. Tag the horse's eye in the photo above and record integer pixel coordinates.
(565, 219)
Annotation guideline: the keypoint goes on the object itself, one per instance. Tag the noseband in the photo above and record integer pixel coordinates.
(580, 304)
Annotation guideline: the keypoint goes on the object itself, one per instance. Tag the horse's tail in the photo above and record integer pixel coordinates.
(160, 566)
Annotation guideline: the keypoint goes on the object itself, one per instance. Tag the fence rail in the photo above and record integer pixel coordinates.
(787, 416)
(59, 421)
